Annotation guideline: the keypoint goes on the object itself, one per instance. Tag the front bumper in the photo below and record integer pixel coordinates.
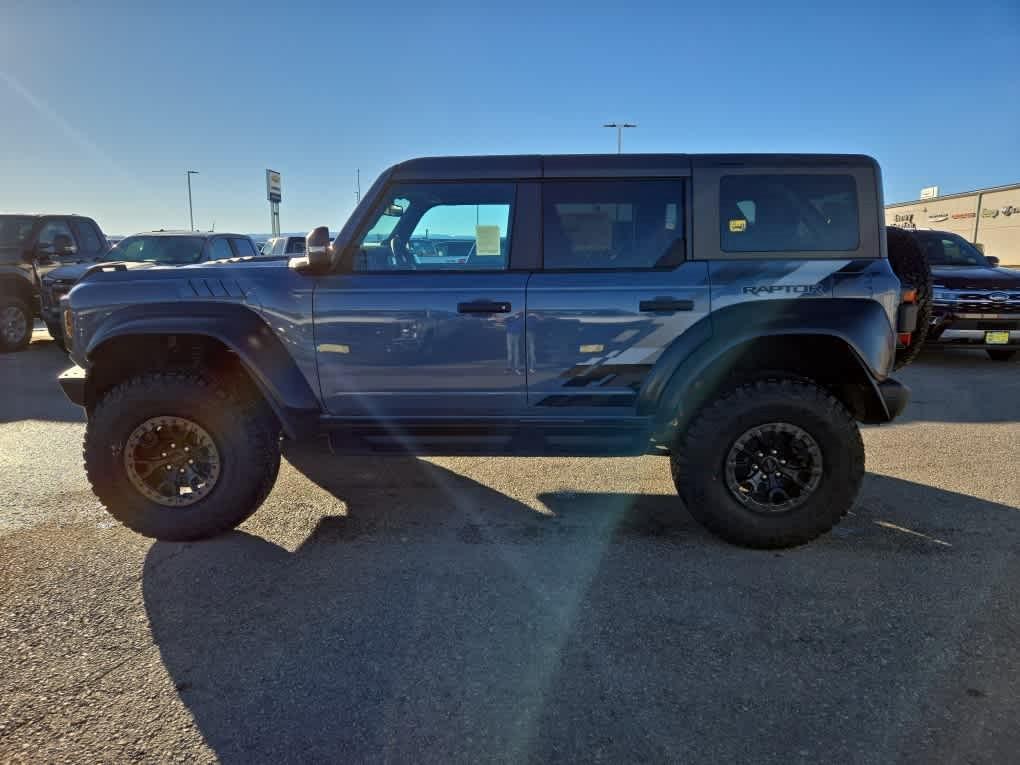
(73, 382)
(966, 328)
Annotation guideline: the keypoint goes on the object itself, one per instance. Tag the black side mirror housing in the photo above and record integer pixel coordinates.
(992, 260)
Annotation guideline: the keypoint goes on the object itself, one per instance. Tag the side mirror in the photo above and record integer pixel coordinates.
(992, 260)
(317, 249)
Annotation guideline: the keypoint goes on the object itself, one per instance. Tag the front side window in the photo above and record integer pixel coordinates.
(613, 224)
(220, 249)
(788, 213)
(244, 247)
(295, 246)
(88, 238)
(439, 227)
(57, 234)
(169, 250)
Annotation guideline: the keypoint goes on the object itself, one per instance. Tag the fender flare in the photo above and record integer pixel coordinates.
(687, 372)
(239, 328)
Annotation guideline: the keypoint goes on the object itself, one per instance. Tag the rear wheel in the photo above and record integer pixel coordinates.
(177, 456)
(773, 463)
(15, 324)
(1000, 354)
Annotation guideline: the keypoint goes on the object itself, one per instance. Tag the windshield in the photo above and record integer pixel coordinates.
(14, 229)
(944, 249)
(171, 250)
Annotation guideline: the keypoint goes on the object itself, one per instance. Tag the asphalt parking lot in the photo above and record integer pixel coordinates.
(485, 609)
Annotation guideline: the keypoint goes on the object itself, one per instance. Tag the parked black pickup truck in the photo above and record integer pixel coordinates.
(30, 246)
(976, 304)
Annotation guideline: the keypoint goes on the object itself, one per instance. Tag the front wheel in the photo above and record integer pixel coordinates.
(1000, 354)
(773, 463)
(176, 456)
(15, 324)
(57, 333)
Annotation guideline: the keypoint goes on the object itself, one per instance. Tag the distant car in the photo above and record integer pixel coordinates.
(284, 246)
(164, 248)
(30, 247)
(976, 304)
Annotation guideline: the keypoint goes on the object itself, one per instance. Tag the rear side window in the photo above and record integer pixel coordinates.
(295, 246)
(788, 213)
(592, 225)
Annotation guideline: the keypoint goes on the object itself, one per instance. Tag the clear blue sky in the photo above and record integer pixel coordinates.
(103, 106)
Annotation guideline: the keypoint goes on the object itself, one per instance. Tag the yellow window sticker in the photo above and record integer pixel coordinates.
(737, 225)
(487, 241)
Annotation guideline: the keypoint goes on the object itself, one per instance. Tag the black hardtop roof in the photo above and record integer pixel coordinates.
(523, 166)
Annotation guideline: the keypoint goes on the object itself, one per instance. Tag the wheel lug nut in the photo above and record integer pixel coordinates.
(168, 467)
(782, 462)
(182, 470)
(778, 474)
(164, 454)
(191, 462)
(754, 467)
(174, 446)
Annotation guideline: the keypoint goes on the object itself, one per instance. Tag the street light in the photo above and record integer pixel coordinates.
(191, 212)
(619, 133)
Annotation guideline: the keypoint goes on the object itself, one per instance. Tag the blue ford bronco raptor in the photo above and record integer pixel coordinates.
(737, 314)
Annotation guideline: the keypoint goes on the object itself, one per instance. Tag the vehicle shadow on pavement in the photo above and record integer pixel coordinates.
(30, 387)
(441, 621)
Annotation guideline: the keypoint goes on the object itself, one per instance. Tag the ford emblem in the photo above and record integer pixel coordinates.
(998, 297)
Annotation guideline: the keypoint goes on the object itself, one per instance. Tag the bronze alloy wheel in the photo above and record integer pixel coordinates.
(172, 461)
(773, 468)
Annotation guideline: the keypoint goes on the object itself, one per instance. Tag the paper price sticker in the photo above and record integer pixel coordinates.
(738, 226)
(487, 241)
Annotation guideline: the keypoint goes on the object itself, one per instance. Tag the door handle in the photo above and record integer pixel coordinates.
(666, 304)
(483, 306)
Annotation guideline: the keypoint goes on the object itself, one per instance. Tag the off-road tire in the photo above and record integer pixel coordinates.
(1000, 354)
(57, 333)
(10, 345)
(698, 462)
(246, 438)
(914, 272)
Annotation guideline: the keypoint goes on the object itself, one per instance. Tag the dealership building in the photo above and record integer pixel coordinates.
(989, 218)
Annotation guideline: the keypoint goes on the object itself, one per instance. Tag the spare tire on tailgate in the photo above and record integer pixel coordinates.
(911, 266)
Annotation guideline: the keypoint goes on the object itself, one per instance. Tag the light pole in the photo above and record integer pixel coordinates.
(619, 133)
(191, 211)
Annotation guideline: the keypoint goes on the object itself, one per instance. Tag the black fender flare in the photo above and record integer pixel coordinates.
(243, 331)
(688, 371)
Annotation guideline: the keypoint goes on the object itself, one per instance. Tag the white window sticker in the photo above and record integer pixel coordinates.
(487, 241)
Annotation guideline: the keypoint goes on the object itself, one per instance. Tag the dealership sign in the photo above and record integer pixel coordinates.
(274, 188)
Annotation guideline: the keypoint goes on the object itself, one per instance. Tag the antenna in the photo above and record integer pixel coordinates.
(357, 186)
